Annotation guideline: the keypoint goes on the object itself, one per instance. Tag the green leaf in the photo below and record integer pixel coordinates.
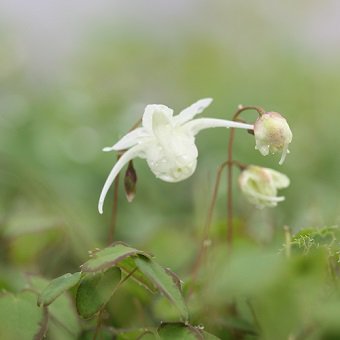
(208, 336)
(128, 266)
(164, 282)
(109, 257)
(63, 321)
(29, 233)
(58, 286)
(170, 331)
(312, 238)
(95, 290)
(26, 248)
(142, 333)
(103, 334)
(179, 330)
(21, 318)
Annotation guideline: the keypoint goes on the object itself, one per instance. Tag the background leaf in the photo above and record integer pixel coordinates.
(63, 320)
(20, 317)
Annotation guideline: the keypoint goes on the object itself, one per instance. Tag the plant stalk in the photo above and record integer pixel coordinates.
(230, 226)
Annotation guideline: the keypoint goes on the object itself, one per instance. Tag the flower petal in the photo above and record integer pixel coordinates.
(284, 153)
(125, 158)
(262, 201)
(193, 110)
(127, 141)
(268, 198)
(156, 113)
(279, 179)
(197, 125)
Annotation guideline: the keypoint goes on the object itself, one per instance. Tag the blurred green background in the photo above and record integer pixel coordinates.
(75, 76)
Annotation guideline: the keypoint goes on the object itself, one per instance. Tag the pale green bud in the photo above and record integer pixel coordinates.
(272, 134)
(260, 185)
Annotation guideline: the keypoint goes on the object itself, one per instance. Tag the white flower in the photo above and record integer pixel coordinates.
(260, 185)
(272, 134)
(167, 142)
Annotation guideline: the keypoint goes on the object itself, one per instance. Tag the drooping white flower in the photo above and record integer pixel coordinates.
(260, 185)
(167, 142)
(272, 134)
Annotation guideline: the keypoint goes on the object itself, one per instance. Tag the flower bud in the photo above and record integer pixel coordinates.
(130, 181)
(272, 134)
(259, 185)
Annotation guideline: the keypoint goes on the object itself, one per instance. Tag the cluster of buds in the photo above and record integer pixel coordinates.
(167, 142)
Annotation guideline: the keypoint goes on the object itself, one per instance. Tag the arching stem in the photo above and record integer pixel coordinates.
(230, 227)
(205, 242)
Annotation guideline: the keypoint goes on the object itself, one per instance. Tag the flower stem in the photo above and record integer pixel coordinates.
(205, 242)
(230, 227)
(113, 223)
(288, 240)
(99, 324)
(230, 190)
(207, 225)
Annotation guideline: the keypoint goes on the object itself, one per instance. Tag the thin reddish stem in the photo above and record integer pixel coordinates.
(230, 227)
(230, 190)
(113, 223)
(207, 226)
(112, 227)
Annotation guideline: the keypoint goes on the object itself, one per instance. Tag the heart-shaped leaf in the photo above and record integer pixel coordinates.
(95, 290)
(109, 257)
(164, 282)
(20, 317)
(63, 321)
(128, 266)
(58, 286)
(178, 330)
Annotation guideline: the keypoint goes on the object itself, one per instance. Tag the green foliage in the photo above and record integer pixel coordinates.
(20, 317)
(58, 286)
(253, 292)
(143, 333)
(109, 257)
(128, 266)
(63, 321)
(51, 170)
(141, 267)
(165, 281)
(313, 238)
(29, 235)
(95, 290)
(101, 277)
(119, 255)
(169, 331)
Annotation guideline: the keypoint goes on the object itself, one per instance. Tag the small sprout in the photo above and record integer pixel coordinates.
(260, 185)
(272, 134)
